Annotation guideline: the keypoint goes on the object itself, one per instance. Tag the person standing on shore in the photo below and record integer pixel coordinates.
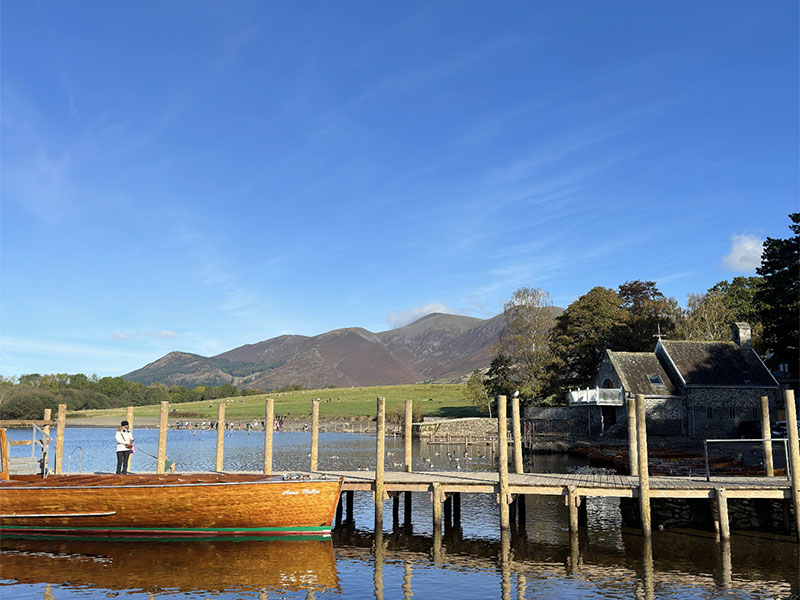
(124, 445)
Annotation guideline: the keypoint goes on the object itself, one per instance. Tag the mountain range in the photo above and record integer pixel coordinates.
(437, 347)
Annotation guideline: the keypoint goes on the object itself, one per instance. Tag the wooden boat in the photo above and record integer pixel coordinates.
(172, 566)
(170, 505)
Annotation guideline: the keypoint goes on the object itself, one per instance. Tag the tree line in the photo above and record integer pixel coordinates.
(27, 396)
(543, 355)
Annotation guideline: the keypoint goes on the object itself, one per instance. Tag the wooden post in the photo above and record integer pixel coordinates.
(644, 475)
(339, 507)
(515, 418)
(162, 438)
(407, 509)
(48, 413)
(409, 418)
(129, 418)
(268, 427)
(447, 505)
(456, 509)
(502, 451)
(61, 424)
(380, 442)
(395, 510)
(220, 435)
(722, 511)
(314, 434)
(766, 434)
(348, 514)
(633, 455)
(436, 497)
(794, 455)
(572, 501)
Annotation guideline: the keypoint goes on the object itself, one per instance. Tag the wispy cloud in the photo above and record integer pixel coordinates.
(745, 253)
(163, 334)
(398, 318)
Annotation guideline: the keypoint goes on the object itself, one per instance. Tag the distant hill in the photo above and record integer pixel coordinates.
(435, 347)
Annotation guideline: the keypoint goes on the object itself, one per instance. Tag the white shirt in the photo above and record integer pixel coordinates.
(123, 438)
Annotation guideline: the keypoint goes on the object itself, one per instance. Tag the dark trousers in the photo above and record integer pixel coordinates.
(122, 461)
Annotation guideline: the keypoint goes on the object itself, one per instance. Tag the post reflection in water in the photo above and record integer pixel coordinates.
(377, 551)
(648, 575)
(196, 566)
(505, 564)
(407, 593)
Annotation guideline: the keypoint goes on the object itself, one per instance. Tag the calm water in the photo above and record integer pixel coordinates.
(541, 561)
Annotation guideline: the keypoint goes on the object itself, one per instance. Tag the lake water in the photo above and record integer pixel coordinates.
(473, 561)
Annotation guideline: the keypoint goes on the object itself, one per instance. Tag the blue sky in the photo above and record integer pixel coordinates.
(200, 175)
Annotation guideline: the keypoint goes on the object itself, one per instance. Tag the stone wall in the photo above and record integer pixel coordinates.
(717, 412)
(775, 516)
(469, 427)
(561, 420)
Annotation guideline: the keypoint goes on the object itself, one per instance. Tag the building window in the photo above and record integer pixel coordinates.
(655, 379)
(709, 413)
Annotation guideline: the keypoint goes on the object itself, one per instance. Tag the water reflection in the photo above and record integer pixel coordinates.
(169, 567)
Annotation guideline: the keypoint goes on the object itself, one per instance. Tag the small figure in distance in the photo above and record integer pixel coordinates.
(169, 465)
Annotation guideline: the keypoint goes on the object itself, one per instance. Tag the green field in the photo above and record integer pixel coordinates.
(440, 400)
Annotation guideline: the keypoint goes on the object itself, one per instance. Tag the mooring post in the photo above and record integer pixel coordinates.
(380, 442)
(502, 451)
(572, 502)
(644, 475)
(48, 413)
(220, 435)
(61, 424)
(409, 418)
(633, 455)
(268, 431)
(794, 455)
(766, 434)
(162, 439)
(722, 512)
(129, 418)
(436, 502)
(314, 434)
(519, 467)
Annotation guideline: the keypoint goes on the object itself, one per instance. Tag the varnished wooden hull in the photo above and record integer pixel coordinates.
(172, 566)
(156, 506)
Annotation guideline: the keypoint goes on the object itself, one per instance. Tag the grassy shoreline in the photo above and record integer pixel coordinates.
(336, 404)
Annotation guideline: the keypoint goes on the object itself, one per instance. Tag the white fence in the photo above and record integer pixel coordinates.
(597, 397)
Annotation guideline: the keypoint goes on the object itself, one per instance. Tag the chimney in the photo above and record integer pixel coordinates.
(741, 335)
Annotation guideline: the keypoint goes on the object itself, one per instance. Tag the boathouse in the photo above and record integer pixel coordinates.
(699, 389)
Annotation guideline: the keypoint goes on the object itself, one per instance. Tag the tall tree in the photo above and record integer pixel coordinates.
(580, 337)
(778, 297)
(499, 378)
(524, 338)
(476, 392)
(647, 311)
(707, 317)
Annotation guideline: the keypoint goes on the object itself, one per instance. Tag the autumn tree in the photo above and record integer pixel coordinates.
(524, 339)
(475, 392)
(646, 313)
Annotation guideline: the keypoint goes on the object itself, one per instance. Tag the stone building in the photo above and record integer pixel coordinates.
(699, 389)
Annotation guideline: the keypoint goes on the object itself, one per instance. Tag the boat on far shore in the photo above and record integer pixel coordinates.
(150, 506)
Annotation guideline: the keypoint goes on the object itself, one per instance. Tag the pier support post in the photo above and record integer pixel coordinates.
(129, 418)
(502, 452)
(573, 500)
(407, 440)
(722, 512)
(268, 431)
(61, 424)
(314, 434)
(766, 435)
(380, 443)
(348, 515)
(456, 509)
(395, 510)
(407, 509)
(339, 510)
(448, 512)
(644, 475)
(436, 504)
(794, 455)
(633, 455)
(220, 435)
(515, 423)
(162, 438)
(48, 414)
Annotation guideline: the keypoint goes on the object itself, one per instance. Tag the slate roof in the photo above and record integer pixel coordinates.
(633, 369)
(718, 363)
